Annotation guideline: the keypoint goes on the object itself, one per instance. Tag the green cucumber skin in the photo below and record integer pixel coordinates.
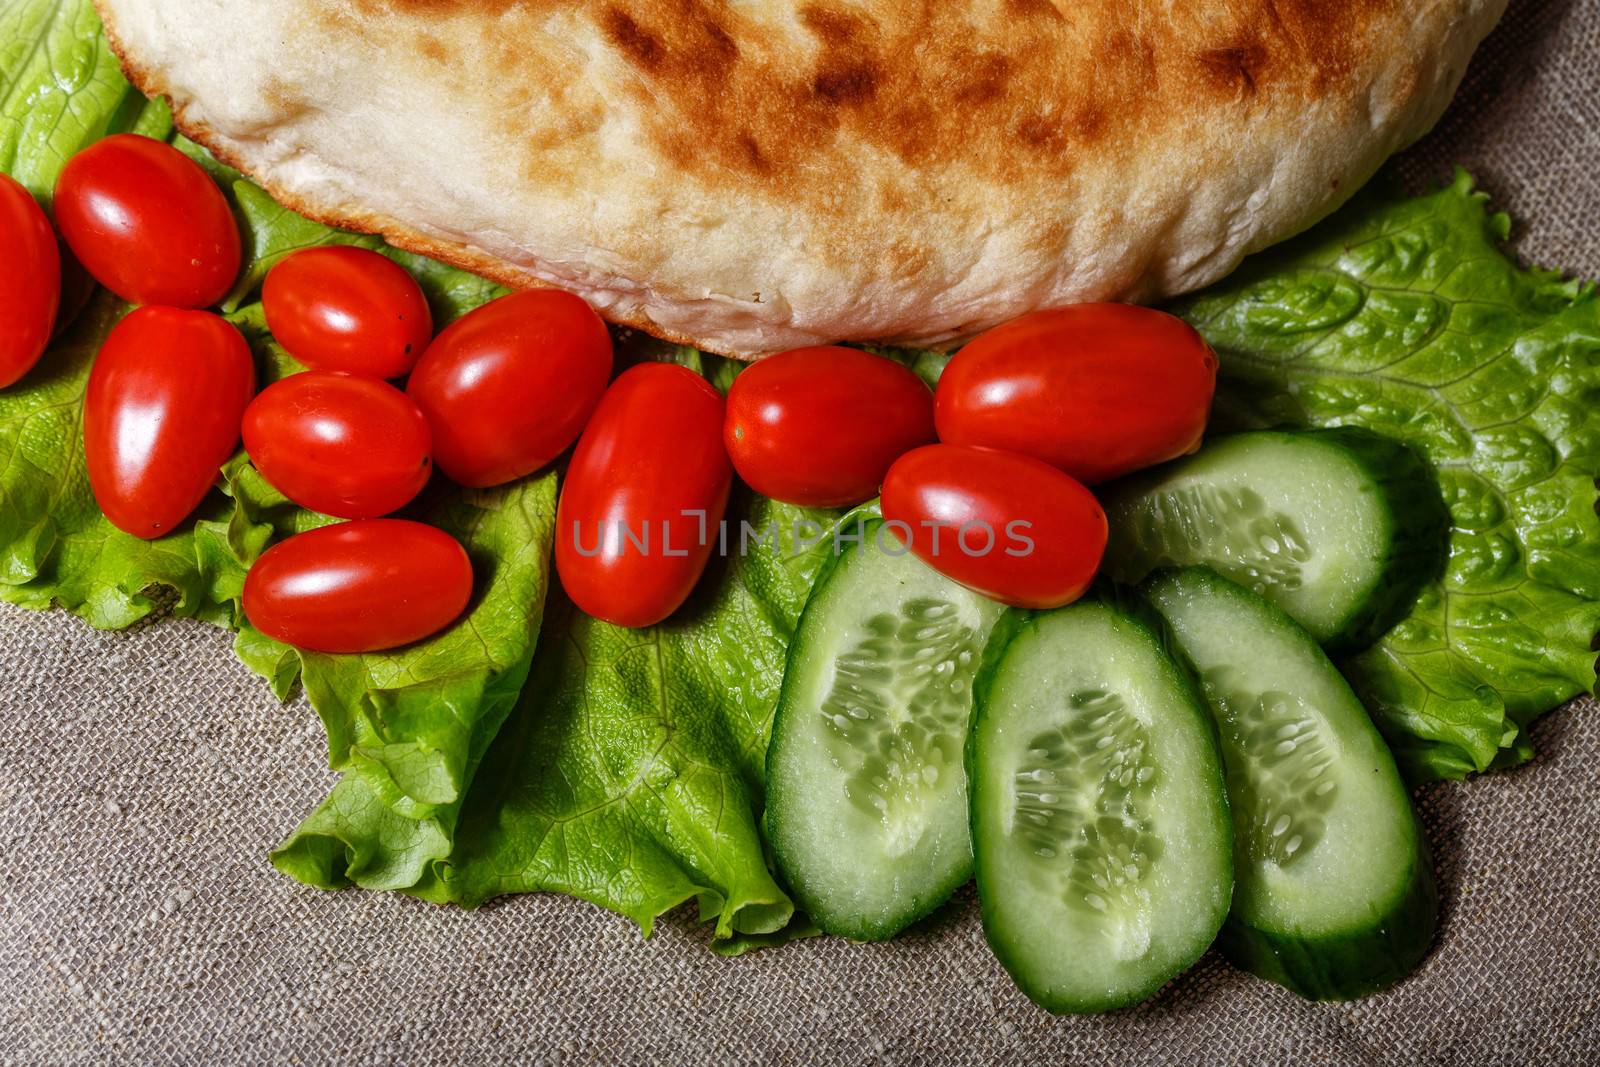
(1421, 543)
(1011, 624)
(844, 924)
(1419, 527)
(853, 927)
(1336, 966)
(1344, 967)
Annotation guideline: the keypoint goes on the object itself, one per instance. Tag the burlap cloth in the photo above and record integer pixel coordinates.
(144, 776)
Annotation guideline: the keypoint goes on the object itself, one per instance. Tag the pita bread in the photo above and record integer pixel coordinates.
(752, 175)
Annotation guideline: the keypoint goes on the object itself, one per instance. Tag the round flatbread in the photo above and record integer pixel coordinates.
(752, 176)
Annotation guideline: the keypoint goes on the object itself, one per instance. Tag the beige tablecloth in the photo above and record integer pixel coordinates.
(144, 776)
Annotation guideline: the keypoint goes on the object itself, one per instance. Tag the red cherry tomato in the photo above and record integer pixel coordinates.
(1008, 526)
(644, 496)
(148, 223)
(1098, 390)
(351, 447)
(819, 426)
(161, 414)
(361, 586)
(349, 309)
(30, 281)
(509, 386)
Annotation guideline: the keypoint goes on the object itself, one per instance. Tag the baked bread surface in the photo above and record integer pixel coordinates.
(752, 176)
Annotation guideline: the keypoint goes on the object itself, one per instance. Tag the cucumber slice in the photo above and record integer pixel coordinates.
(866, 791)
(1099, 817)
(1335, 894)
(1340, 528)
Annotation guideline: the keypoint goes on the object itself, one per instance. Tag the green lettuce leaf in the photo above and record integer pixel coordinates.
(413, 722)
(60, 89)
(630, 773)
(1405, 317)
(56, 548)
(411, 725)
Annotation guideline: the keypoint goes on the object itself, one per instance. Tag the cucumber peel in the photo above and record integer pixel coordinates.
(866, 789)
(1340, 528)
(1099, 816)
(1335, 895)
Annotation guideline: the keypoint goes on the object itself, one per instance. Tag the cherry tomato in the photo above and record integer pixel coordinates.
(819, 426)
(361, 586)
(644, 496)
(349, 309)
(509, 386)
(148, 223)
(351, 447)
(1095, 389)
(30, 281)
(161, 415)
(1010, 527)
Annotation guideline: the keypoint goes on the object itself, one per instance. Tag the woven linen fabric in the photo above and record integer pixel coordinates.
(144, 776)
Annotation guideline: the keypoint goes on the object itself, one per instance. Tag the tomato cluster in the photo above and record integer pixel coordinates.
(1025, 416)
(497, 395)
(984, 479)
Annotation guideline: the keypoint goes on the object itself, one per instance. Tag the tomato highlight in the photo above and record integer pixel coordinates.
(644, 495)
(161, 415)
(351, 447)
(148, 223)
(1097, 390)
(1008, 526)
(820, 426)
(508, 387)
(340, 308)
(363, 586)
